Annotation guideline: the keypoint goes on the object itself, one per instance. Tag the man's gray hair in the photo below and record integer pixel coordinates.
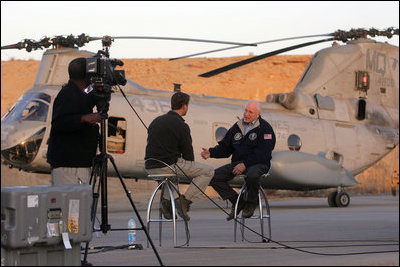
(257, 104)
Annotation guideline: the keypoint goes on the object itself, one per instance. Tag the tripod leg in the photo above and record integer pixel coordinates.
(93, 178)
(104, 198)
(128, 194)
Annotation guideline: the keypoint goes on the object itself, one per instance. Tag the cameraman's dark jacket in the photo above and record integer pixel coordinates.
(253, 148)
(168, 139)
(72, 143)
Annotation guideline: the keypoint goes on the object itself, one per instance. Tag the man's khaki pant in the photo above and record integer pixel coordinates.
(199, 173)
(67, 175)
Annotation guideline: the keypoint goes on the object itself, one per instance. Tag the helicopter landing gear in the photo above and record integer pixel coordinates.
(338, 198)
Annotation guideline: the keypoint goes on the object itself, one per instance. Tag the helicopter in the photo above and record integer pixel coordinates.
(340, 119)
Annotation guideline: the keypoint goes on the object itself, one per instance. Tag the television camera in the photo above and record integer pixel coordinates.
(101, 72)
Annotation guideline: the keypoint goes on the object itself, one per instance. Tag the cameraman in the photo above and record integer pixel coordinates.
(74, 131)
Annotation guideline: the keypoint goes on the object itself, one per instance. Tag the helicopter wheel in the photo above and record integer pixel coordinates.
(342, 199)
(332, 199)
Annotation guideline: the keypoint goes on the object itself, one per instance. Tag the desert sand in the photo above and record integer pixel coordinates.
(253, 81)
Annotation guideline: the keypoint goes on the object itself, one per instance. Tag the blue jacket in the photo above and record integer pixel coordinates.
(253, 148)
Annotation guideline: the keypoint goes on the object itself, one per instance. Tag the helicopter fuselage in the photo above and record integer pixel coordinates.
(328, 129)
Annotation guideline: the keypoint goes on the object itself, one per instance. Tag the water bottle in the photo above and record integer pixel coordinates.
(131, 232)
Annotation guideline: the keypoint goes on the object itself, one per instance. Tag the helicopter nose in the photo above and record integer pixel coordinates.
(17, 149)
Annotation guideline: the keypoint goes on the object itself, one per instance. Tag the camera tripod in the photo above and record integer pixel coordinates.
(100, 170)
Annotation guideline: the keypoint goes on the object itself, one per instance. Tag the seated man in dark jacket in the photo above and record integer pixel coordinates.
(169, 140)
(250, 142)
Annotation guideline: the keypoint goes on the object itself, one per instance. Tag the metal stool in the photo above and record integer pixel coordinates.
(261, 215)
(166, 182)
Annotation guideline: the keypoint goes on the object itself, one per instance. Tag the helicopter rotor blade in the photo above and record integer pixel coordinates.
(263, 42)
(252, 59)
(339, 35)
(57, 41)
(182, 39)
(13, 46)
(81, 40)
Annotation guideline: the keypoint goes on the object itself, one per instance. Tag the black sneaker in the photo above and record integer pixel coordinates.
(239, 209)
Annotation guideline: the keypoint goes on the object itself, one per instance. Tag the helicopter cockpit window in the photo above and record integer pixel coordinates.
(26, 151)
(116, 137)
(294, 142)
(31, 107)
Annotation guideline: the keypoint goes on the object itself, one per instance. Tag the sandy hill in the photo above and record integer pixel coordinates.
(253, 81)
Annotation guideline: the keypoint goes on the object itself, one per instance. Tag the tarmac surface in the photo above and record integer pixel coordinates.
(305, 232)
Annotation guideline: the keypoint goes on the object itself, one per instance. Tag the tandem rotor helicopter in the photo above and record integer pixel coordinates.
(340, 119)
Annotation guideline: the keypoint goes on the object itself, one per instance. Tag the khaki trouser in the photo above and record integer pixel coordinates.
(67, 175)
(199, 173)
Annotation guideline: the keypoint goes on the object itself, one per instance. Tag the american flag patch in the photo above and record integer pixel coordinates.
(267, 136)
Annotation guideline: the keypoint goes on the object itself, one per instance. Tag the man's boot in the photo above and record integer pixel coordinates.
(239, 208)
(166, 208)
(183, 206)
(249, 209)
